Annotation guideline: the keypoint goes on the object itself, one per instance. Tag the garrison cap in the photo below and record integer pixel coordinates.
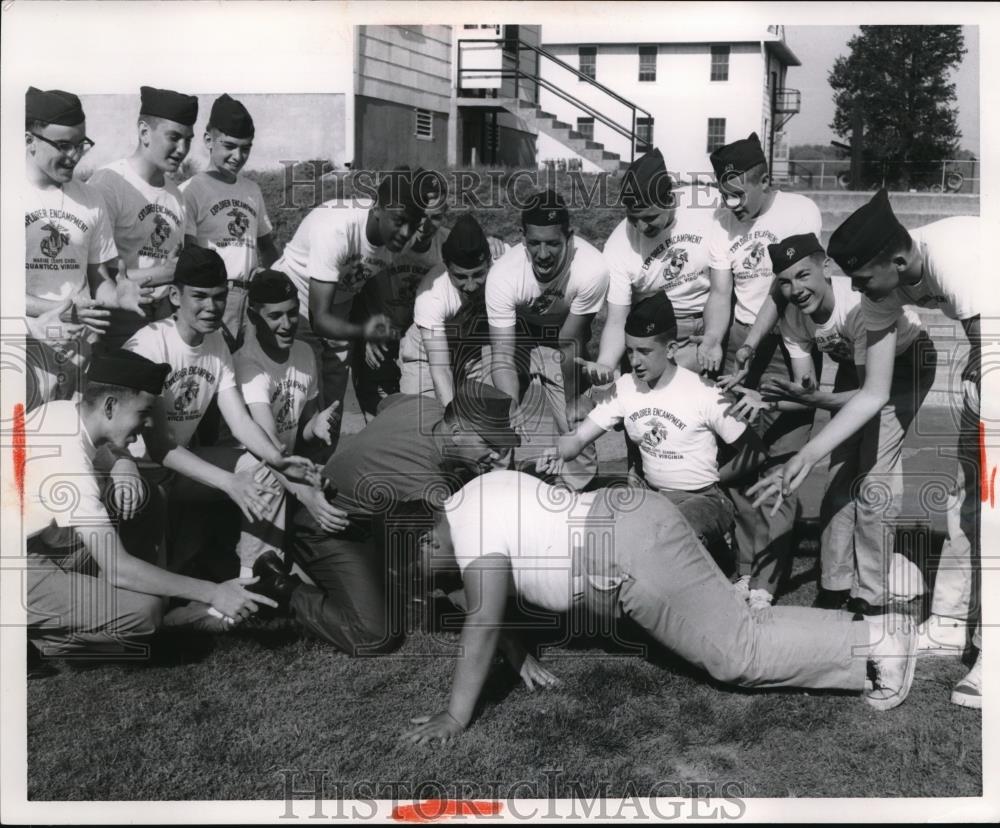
(738, 157)
(466, 245)
(231, 118)
(53, 106)
(545, 209)
(647, 183)
(788, 251)
(169, 105)
(129, 370)
(864, 233)
(651, 317)
(200, 267)
(487, 411)
(271, 286)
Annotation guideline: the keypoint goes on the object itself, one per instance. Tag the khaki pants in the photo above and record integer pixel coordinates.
(543, 363)
(644, 562)
(74, 612)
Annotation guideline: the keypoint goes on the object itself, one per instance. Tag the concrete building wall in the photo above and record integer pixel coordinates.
(289, 127)
(680, 100)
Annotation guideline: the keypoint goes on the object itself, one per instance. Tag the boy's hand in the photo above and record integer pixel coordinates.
(595, 372)
(325, 422)
(379, 329)
(442, 726)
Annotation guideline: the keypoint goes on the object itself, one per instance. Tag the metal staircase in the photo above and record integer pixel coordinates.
(520, 83)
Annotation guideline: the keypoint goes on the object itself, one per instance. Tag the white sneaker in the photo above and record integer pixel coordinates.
(759, 599)
(742, 587)
(892, 662)
(906, 581)
(940, 636)
(969, 691)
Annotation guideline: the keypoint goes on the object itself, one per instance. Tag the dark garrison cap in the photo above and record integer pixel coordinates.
(200, 267)
(129, 370)
(864, 233)
(231, 118)
(487, 411)
(738, 157)
(545, 209)
(651, 317)
(466, 245)
(167, 104)
(788, 251)
(647, 183)
(271, 286)
(53, 106)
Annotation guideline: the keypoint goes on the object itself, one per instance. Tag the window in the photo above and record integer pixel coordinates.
(720, 63)
(425, 125)
(585, 126)
(647, 63)
(588, 61)
(643, 134)
(716, 133)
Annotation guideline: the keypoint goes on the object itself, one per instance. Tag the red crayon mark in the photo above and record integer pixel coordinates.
(19, 452)
(993, 488)
(431, 810)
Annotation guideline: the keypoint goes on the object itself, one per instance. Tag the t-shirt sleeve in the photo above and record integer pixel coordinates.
(854, 324)
(253, 380)
(500, 308)
(145, 343)
(102, 240)
(718, 246)
(591, 294)
(619, 284)
(329, 249)
(264, 227)
(610, 412)
(796, 342)
(429, 309)
(106, 183)
(812, 218)
(227, 375)
(189, 192)
(727, 427)
(881, 315)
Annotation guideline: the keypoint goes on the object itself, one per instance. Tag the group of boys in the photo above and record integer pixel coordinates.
(147, 302)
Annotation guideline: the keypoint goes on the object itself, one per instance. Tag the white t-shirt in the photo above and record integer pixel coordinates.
(512, 289)
(949, 250)
(526, 521)
(59, 479)
(227, 218)
(674, 261)
(66, 229)
(675, 427)
(285, 387)
(331, 246)
(148, 221)
(742, 246)
(196, 374)
(843, 335)
(394, 290)
(437, 303)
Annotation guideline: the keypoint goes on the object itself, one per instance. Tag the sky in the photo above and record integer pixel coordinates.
(819, 46)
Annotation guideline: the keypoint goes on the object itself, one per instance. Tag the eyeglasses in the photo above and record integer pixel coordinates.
(68, 148)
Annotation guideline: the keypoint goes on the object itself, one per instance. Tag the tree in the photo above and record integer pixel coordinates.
(899, 76)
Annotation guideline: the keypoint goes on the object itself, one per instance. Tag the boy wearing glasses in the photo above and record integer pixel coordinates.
(145, 206)
(68, 248)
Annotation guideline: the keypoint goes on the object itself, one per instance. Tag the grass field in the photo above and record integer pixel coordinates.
(231, 717)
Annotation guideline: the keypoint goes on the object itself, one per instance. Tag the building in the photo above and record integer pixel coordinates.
(700, 89)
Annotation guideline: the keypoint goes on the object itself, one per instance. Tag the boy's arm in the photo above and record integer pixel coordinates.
(439, 364)
(718, 312)
(267, 250)
(487, 582)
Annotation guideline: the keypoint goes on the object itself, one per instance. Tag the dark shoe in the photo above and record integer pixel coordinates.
(39, 667)
(831, 599)
(275, 581)
(861, 608)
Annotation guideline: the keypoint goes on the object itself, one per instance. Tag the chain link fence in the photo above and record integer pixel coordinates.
(948, 176)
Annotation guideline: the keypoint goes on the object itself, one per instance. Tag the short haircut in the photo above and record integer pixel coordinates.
(94, 393)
